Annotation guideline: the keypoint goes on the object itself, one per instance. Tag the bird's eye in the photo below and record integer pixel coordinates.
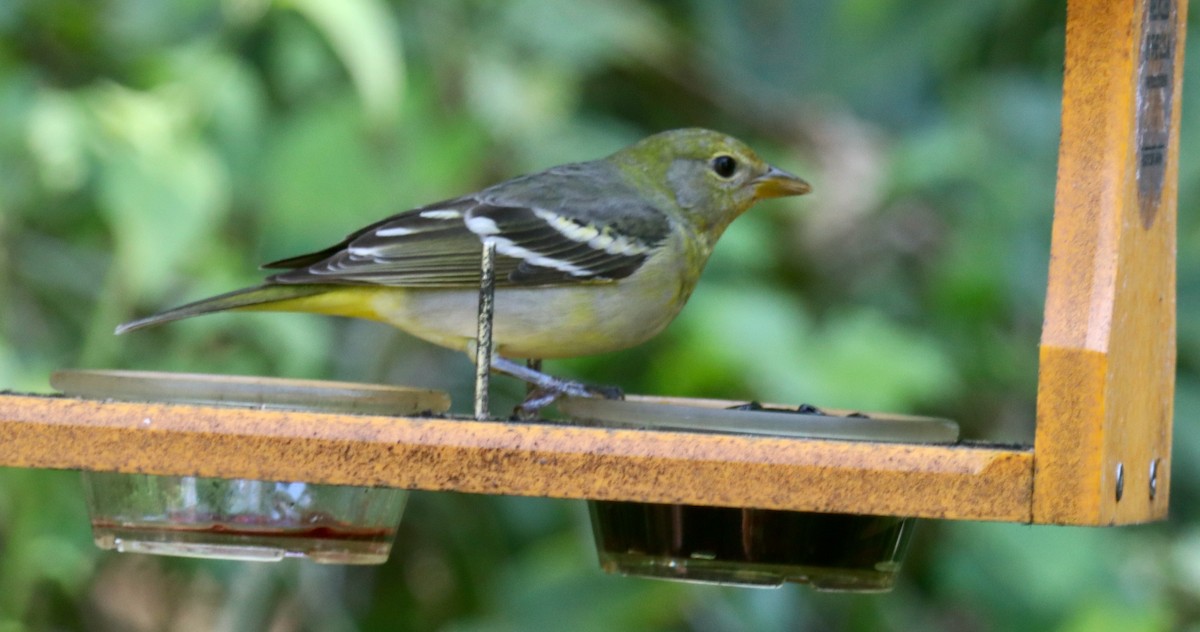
(724, 165)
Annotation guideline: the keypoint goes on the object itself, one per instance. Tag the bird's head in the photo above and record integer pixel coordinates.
(713, 177)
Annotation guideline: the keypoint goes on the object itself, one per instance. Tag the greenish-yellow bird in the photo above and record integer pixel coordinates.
(591, 256)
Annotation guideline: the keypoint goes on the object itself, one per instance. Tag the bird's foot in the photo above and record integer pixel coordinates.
(543, 395)
(546, 389)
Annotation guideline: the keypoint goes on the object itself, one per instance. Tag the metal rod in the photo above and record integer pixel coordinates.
(483, 336)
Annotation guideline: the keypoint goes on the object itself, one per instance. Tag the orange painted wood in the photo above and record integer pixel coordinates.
(1106, 379)
(492, 457)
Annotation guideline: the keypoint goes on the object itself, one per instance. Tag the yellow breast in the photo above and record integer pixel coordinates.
(551, 321)
(536, 322)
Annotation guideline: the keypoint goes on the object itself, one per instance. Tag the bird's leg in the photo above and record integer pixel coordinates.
(547, 388)
(533, 364)
(535, 398)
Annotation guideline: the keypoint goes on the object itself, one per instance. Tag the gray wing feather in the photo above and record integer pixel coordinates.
(572, 224)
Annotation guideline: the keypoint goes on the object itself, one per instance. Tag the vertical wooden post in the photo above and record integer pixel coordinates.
(1108, 344)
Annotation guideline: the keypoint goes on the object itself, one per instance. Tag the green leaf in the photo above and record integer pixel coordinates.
(367, 39)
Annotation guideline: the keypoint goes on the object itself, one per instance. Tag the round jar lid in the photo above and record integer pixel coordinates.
(260, 392)
(707, 415)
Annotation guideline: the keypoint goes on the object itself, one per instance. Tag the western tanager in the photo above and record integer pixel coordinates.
(591, 256)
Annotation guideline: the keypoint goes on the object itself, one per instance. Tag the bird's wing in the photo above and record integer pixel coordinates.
(576, 223)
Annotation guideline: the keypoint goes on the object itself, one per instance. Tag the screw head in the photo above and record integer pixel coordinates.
(1120, 481)
(1153, 478)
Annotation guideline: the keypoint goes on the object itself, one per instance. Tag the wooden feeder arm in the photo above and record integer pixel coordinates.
(529, 459)
(1105, 385)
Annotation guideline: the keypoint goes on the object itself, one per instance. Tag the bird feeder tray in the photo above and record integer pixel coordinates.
(1100, 452)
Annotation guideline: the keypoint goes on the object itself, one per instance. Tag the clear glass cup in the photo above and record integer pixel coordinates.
(752, 547)
(244, 519)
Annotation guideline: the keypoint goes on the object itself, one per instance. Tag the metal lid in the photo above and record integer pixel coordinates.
(709, 415)
(261, 392)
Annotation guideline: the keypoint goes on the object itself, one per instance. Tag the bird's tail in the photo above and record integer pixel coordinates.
(247, 298)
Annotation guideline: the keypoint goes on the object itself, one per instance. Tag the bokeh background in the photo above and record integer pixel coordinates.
(155, 152)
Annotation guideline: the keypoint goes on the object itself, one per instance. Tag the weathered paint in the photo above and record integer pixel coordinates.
(529, 459)
(1106, 380)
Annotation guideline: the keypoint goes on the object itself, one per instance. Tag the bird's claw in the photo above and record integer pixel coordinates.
(604, 391)
(543, 396)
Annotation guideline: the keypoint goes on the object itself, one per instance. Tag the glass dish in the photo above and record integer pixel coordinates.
(752, 547)
(239, 518)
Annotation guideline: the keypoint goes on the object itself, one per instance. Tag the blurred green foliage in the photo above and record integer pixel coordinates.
(154, 152)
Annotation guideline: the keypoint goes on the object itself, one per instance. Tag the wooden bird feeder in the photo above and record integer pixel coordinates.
(1100, 455)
